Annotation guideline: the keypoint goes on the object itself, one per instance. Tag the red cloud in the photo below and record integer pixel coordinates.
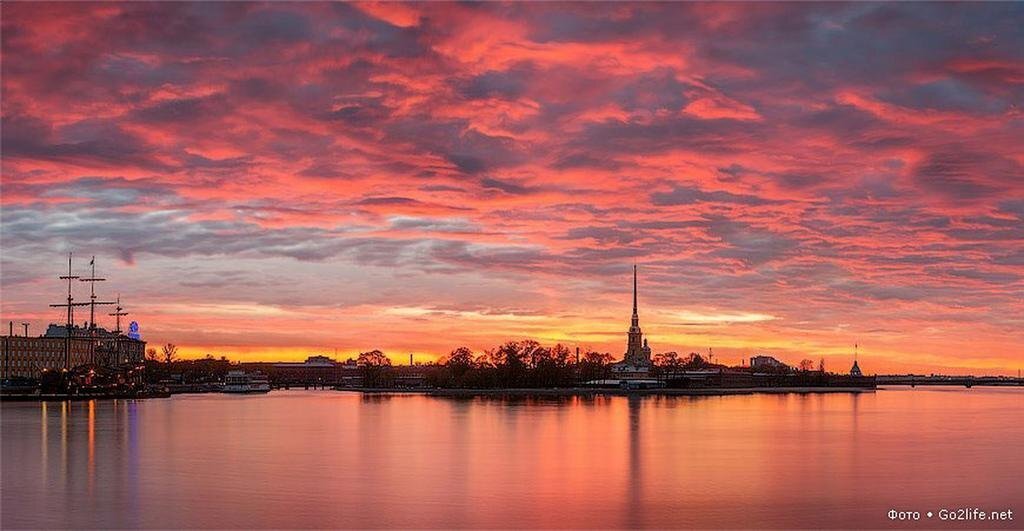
(348, 169)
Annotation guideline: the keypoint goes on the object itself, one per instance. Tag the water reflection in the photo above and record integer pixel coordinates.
(327, 459)
(64, 406)
(634, 512)
(92, 443)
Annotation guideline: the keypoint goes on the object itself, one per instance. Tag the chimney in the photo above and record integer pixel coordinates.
(410, 359)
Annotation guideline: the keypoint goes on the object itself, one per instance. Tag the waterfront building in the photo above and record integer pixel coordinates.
(636, 363)
(312, 362)
(29, 357)
(766, 362)
(316, 370)
(67, 346)
(112, 347)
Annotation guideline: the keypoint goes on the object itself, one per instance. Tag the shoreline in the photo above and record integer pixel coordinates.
(516, 392)
(584, 391)
(28, 397)
(513, 392)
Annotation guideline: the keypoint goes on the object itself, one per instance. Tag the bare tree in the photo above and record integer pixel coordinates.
(170, 352)
(594, 365)
(694, 362)
(560, 354)
(667, 359)
(806, 365)
(461, 356)
(373, 358)
(597, 358)
(151, 354)
(375, 367)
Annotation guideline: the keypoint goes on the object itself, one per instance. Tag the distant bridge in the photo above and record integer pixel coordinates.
(966, 381)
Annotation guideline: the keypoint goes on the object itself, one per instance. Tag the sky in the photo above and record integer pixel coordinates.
(273, 181)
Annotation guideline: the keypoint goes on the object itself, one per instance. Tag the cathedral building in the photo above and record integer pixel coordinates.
(637, 361)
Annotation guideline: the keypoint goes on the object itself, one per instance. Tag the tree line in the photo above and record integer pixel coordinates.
(514, 364)
(518, 364)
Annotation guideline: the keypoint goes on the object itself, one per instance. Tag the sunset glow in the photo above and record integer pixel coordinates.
(273, 181)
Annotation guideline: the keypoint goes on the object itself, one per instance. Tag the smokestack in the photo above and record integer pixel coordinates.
(26, 328)
(577, 355)
(10, 329)
(410, 359)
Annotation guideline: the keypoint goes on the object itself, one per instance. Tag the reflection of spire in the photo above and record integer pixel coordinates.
(636, 478)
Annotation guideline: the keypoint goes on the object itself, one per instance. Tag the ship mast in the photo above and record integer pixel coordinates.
(118, 312)
(70, 304)
(92, 280)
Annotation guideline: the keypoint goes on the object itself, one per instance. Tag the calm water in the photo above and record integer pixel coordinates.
(332, 459)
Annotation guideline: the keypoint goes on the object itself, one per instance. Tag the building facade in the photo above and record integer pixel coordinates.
(316, 370)
(766, 362)
(29, 357)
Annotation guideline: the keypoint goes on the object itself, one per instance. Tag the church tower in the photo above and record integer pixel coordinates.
(638, 354)
(855, 370)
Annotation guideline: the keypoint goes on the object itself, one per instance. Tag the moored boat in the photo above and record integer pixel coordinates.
(245, 382)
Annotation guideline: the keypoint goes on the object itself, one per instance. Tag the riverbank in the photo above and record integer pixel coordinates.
(39, 397)
(586, 391)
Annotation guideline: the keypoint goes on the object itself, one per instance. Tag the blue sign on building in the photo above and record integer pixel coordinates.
(133, 330)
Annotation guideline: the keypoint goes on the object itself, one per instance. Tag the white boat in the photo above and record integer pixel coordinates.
(245, 382)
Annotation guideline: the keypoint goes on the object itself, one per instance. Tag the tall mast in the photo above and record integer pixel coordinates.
(92, 280)
(70, 305)
(69, 277)
(118, 312)
(70, 324)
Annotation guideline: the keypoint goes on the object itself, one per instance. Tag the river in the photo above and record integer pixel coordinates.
(302, 459)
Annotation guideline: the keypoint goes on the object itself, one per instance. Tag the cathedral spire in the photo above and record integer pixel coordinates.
(638, 354)
(635, 321)
(634, 290)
